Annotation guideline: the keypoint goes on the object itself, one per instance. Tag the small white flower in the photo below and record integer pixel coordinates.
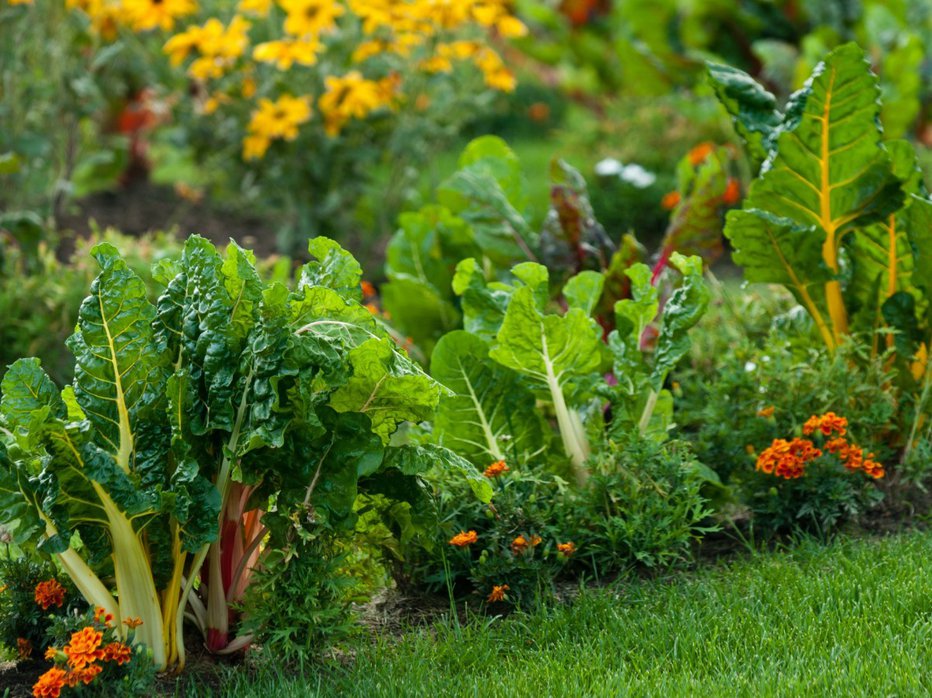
(637, 176)
(750, 366)
(608, 167)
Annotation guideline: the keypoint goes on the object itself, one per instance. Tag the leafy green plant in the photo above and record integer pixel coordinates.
(228, 401)
(643, 505)
(836, 215)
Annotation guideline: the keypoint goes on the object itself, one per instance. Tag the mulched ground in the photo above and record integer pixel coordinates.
(143, 206)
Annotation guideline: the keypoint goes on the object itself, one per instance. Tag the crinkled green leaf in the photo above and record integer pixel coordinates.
(386, 387)
(548, 348)
(483, 304)
(25, 389)
(120, 371)
(681, 312)
(417, 460)
(333, 267)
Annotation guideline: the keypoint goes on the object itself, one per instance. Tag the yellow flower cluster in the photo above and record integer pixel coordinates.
(426, 35)
(274, 120)
(139, 15)
(218, 47)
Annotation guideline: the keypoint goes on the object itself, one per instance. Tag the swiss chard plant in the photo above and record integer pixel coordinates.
(837, 214)
(520, 349)
(483, 213)
(231, 419)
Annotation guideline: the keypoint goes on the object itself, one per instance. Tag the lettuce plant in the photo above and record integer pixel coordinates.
(205, 431)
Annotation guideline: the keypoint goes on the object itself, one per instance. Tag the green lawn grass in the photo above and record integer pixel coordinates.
(850, 619)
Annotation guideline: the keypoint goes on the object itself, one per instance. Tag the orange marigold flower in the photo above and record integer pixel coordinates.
(873, 468)
(84, 648)
(49, 684)
(670, 200)
(117, 652)
(498, 593)
(566, 549)
(496, 469)
(372, 308)
(101, 616)
(23, 648)
(698, 154)
(464, 538)
(132, 622)
(787, 459)
(50, 593)
(732, 193)
(828, 423)
(368, 290)
(85, 674)
(51, 654)
(766, 412)
(521, 544)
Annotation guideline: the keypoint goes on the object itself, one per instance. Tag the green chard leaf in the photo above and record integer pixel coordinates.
(752, 108)
(387, 387)
(490, 414)
(333, 268)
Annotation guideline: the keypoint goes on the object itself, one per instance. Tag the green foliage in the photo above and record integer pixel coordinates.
(643, 505)
(836, 216)
(189, 416)
(298, 606)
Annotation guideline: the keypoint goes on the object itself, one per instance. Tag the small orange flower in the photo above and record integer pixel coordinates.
(498, 593)
(766, 412)
(698, 154)
(49, 684)
(787, 459)
(566, 549)
(132, 622)
(368, 290)
(50, 593)
(101, 616)
(23, 648)
(117, 652)
(522, 544)
(732, 192)
(496, 469)
(372, 308)
(85, 674)
(828, 423)
(670, 200)
(464, 538)
(539, 111)
(51, 654)
(84, 648)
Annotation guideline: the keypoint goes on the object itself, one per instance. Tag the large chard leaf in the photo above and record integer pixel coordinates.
(828, 175)
(413, 460)
(490, 415)
(881, 254)
(120, 371)
(572, 239)
(562, 356)
(386, 387)
(488, 193)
